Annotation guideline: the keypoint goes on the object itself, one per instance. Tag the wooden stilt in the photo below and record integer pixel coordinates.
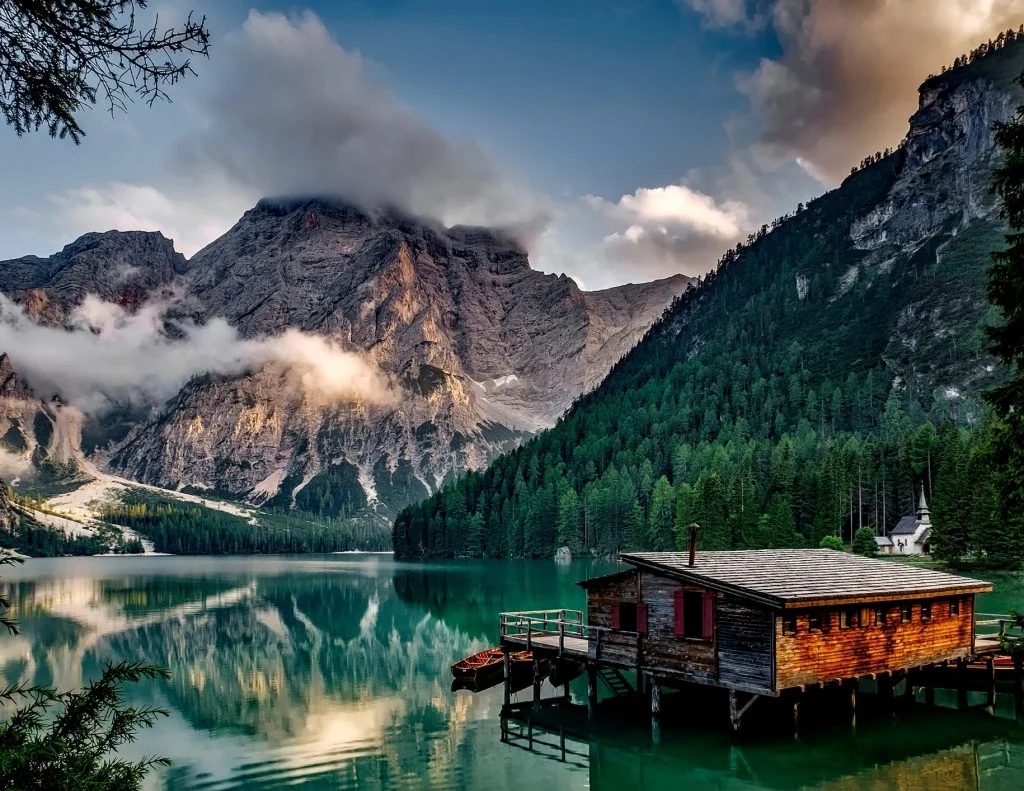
(591, 691)
(886, 683)
(797, 697)
(734, 711)
(908, 688)
(961, 684)
(854, 688)
(1018, 687)
(566, 694)
(507, 662)
(990, 684)
(538, 679)
(655, 687)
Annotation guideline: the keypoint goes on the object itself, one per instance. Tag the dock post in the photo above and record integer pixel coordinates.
(886, 684)
(566, 694)
(507, 662)
(591, 691)
(734, 713)
(538, 680)
(1018, 687)
(853, 687)
(990, 684)
(908, 689)
(961, 684)
(655, 687)
(797, 697)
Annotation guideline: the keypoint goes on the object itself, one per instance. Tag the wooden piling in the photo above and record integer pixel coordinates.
(507, 662)
(853, 688)
(538, 680)
(591, 691)
(990, 684)
(734, 711)
(961, 684)
(1018, 687)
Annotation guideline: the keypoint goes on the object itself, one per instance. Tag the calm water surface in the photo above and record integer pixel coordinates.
(331, 672)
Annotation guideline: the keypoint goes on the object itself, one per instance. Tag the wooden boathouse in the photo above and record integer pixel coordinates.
(759, 623)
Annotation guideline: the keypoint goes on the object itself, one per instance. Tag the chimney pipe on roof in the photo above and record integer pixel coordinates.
(693, 543)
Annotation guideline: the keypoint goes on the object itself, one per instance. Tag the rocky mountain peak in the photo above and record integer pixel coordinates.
(125, 267)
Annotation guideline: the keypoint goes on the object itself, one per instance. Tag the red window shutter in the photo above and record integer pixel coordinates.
(615, 615)
(641, 619)
(709, 615)
(677, 611)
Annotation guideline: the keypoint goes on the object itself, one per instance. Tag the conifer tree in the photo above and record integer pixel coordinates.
(1006, 292)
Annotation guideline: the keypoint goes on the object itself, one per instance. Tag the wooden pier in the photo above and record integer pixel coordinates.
(769, 624)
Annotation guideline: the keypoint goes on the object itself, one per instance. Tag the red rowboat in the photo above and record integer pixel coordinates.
(481, 667)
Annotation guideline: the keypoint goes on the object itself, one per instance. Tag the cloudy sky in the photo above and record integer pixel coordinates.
(625, 139)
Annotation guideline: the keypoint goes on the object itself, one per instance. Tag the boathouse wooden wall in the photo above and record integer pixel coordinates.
(612, 647)
(808, 657)
(744, 644)
(663, 649)
(738, 655)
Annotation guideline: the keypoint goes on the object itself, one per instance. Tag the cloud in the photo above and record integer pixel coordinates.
(669, 230)
(746, 14)
(107, 355)
(289, 112)
(191, 222)
(292, 112)
(846, 81)
(678, 206)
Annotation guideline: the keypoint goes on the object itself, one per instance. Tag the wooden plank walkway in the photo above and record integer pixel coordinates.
(575, 647)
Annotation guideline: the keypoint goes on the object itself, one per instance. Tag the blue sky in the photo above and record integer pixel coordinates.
(632, 139)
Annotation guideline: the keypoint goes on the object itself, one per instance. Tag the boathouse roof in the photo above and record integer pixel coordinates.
(791, 578)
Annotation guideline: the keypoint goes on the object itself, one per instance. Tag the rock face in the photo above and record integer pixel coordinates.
(941, 215)
(483, 350)
(121, 267)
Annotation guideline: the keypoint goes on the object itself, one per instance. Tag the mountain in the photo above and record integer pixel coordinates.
(483, 351)
(796, 392)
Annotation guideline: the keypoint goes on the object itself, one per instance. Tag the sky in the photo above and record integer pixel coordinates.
(623, 140)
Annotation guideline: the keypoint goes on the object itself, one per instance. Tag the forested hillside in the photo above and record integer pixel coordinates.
(806, 388)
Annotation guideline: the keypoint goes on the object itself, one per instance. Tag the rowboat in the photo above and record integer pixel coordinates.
(480, 667)
(486, 669)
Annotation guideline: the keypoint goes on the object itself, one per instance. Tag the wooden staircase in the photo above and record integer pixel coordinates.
(615, 681)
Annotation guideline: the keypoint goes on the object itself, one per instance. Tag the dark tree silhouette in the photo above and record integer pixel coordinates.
(58, 56)
(1006, 292)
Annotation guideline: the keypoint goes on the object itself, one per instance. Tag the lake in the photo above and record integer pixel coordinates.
(331, 672)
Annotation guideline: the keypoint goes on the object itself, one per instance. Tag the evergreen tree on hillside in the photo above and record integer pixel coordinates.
(1006, 292)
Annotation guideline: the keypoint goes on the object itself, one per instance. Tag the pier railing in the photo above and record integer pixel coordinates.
(542, 626)
(1001, 627)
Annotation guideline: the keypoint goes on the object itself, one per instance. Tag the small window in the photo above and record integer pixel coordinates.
(693, 615)
(954, 608)
(906, 613)
(926, 612)
(848, 619)
(880, 616)
(817, 621)
(627, 616)
(789, 624)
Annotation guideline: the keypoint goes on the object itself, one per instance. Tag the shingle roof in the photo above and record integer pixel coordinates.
(793, 577)
(907, 526)
(883, 541)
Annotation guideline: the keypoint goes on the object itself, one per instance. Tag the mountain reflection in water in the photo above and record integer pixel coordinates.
(332, 672)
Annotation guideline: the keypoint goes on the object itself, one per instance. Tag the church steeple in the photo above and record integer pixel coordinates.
(923, 514)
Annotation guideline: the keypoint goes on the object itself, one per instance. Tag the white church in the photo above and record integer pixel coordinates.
(911, 534)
